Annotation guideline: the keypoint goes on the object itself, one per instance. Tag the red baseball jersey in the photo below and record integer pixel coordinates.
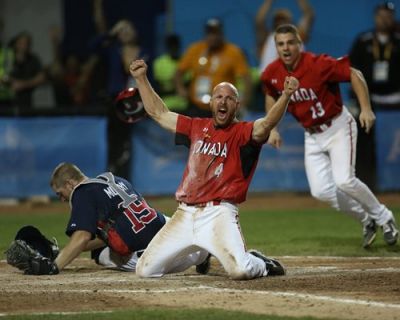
(318, 97)
(221, 161)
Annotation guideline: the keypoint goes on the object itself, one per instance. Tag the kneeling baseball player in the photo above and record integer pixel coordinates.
(108, 218)
(223, 154)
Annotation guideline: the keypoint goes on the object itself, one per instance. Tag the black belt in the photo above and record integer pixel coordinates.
(319, 128)
(322, 127)
(203, 204)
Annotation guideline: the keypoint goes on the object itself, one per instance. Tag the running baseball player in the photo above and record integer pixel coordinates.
(330, 130)
(109, 218)
(223, 154)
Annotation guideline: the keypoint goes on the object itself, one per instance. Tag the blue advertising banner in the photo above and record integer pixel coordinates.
(282, 169)
(158, 164)
(30, 148)
(388, 150)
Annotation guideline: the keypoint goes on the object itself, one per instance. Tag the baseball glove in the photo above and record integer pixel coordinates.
(24, 257)
(32, 252)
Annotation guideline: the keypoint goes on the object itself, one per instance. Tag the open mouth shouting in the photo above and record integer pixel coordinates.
(222, 113)
(287, 56)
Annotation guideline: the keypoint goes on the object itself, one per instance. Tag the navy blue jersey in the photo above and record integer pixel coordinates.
(110, 208)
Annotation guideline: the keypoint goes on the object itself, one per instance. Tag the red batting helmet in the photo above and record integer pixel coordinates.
(129, 106)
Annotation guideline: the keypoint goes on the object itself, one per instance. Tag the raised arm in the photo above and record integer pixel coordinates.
(263, 126)
(306, 20)
(98, 16)
(153, 104)
(360, 88)
(274, 139)
(261, 26)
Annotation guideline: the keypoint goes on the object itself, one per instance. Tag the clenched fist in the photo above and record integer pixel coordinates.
(291, 85)
(138, 68)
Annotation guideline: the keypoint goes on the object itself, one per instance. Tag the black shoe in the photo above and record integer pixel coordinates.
(274, 267)
(204, 267)
(369, 233)
(390, 232)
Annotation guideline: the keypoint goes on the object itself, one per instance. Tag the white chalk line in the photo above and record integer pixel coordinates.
(339, 257)
(56, 313)
(224, 290)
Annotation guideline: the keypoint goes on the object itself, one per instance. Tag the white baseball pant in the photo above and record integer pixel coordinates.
(112, 260)
(330, 167)
(213, 229)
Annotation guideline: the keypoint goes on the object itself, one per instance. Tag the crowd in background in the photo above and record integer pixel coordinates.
(184, 76)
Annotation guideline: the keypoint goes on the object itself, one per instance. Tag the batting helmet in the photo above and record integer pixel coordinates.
(129, 106)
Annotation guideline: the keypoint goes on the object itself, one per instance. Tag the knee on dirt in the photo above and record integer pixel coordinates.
(143, 270)
(239, 273)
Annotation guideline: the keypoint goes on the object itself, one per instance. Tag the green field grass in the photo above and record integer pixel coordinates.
(322, 232)
(276, 232)
(159, 314)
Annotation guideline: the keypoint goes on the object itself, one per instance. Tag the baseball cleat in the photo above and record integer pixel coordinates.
(369, 233)
(390, 232)
(204, 267)
(274, 267)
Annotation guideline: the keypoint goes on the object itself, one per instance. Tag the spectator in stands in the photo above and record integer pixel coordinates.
(376, 53)
(26, 73)
(164, 69)
(266, 49)
(69, 78)
(117, 47)
(211, 61)
(6, 60)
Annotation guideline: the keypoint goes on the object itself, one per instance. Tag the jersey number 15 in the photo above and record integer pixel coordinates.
(139, 214)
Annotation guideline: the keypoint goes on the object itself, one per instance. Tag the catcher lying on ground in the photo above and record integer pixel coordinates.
(108, 218)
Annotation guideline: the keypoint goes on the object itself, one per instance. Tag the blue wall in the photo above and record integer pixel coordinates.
(30, 148)
(388, 150)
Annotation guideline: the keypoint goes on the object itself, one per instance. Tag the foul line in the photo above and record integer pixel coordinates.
(340, 257)
(55, 313)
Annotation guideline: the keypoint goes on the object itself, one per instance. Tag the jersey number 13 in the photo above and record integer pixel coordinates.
(317, 110)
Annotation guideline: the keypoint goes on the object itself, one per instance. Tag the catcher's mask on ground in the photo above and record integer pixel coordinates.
(38, 241)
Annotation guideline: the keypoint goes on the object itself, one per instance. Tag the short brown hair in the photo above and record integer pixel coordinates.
(63, 172)
(288, 28)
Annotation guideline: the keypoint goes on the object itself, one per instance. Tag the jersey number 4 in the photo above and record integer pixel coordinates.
(317, 110)
(139, 214)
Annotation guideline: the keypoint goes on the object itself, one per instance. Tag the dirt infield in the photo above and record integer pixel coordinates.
(335, 287)
(342, 288)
